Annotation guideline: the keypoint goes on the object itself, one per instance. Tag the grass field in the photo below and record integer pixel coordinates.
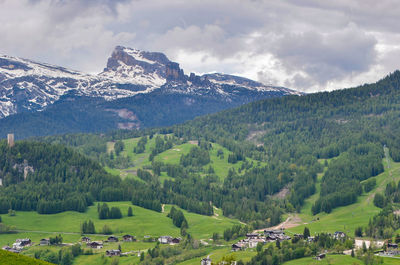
(8, 258)
(144, 222)
(330, 259)
(217, 255)
(337, 260)
(347, 218)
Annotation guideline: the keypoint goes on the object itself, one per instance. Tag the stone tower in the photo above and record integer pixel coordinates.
(10, 139)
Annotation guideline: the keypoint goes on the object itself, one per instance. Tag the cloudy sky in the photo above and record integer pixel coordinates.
(307, 45)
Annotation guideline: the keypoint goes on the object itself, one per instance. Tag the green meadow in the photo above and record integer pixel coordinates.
(144, 222)
(223, 254)
(347, 218)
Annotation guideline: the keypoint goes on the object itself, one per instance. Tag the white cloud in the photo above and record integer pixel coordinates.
(308, 44)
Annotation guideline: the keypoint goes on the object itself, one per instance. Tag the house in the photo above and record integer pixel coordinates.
(95, 244)
(128, 238)
(21, 243)
(86, 239)
(24, 242)
(238, 246)
(298, 236)
(44, 242)
(112, 239)
(165, 239)
(310, 239)
(176, 240)
(339, 235)
(392, 245)
(320, 256)
(206, 261)
(273, 235)
(7, 248)
(252, 235)
(254, 242)
(113, 252)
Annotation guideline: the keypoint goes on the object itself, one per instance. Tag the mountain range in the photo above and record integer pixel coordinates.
(136, 89)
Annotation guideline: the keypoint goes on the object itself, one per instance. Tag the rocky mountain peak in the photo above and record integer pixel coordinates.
(174, 73)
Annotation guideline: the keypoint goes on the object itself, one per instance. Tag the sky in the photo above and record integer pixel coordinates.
(305, 45)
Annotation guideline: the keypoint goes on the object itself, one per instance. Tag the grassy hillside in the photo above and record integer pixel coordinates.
(17, 259)
(347, 218)
(144, 222)
(172, 156)
(337, 260)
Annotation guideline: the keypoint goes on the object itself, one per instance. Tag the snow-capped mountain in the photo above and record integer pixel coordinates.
(136, 89)
(26, 85)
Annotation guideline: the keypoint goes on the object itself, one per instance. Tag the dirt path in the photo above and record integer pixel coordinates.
(292, 221)
(162, 208)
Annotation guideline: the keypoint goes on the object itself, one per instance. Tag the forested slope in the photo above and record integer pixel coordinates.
(352, 125)
(288, 135)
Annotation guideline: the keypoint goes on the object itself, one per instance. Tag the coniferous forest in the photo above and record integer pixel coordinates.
(351, 126)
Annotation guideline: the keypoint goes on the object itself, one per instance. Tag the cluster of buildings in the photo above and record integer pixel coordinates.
(18, 245)
(169, 240)
(391, 250)
(110, 239)
(253, 239)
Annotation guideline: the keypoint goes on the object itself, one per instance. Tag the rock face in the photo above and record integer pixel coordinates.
(174, 73)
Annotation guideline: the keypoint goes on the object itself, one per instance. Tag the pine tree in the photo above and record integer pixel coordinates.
(306, 232)
(130, 211)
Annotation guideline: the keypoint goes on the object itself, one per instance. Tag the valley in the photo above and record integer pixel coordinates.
(206, 183)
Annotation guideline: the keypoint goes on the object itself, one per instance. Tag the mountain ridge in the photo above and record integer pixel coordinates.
(41, 99)
(27, 85)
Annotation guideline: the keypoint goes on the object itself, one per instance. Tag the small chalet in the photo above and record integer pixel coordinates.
(128, 238)
(310, 239)
(298, 236)
(238, 246)
(113, 252)
(95, 244)
(176, 240)
(206, 261)
(21, 243)
(392, 245)
(112, 239)
(24, 242)
(273, 235)
(320, 256)
(165, 239)
(252, 235)
(254, 242)
(86, 239)
(44, 242)
(339, 235)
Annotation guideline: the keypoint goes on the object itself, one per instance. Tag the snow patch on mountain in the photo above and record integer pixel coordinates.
(132, 66)
(26, 85)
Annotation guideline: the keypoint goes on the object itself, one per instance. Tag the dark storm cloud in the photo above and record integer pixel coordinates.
(309, 45)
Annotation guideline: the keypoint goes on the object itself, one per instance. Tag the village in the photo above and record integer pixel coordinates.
(251, 241)
(22, 244)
